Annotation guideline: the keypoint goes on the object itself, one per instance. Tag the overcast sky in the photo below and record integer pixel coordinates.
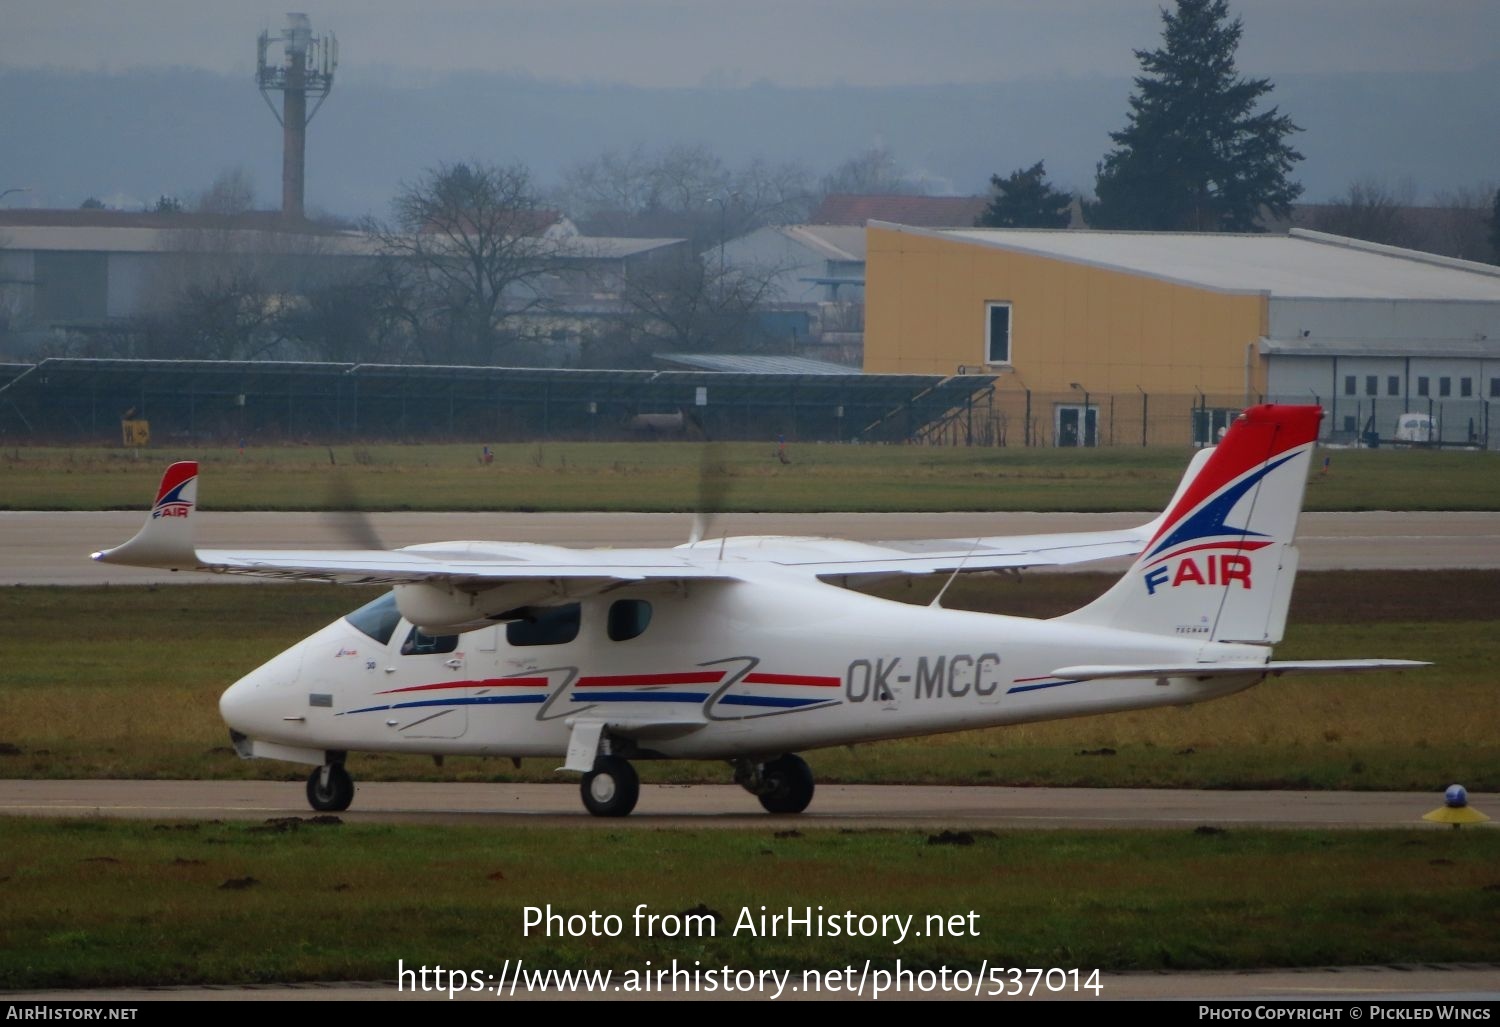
(739, 42)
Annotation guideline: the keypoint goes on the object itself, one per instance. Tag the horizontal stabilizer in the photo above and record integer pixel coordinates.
(1275, 668)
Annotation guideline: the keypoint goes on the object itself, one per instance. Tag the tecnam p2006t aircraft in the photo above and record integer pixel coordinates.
(747, 649)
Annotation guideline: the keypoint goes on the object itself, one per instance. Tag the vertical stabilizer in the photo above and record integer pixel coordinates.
(166, 539)
(1221, 563)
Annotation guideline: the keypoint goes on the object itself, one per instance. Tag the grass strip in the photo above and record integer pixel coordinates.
(664, 476)
(92, 903)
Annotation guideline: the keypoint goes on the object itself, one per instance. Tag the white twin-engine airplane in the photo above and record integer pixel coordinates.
(745, 649)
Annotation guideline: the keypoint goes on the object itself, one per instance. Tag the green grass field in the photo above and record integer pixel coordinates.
(92, 902)
(124, 683)
(665, 477)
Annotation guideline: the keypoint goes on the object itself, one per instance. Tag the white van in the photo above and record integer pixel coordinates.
(1418, 429)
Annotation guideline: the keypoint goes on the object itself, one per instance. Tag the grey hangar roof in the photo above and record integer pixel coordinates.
(1300, 265)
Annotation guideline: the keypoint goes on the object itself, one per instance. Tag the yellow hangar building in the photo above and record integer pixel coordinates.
(1143, 337)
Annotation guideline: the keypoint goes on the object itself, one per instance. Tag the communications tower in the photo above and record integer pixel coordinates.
(304, 69)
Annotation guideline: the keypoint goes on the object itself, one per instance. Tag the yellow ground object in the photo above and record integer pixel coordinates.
(1455, 809)
(1457, 816)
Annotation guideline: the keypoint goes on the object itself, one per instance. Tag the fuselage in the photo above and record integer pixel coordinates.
(701, 670)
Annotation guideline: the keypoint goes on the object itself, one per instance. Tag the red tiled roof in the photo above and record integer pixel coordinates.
(918, 211)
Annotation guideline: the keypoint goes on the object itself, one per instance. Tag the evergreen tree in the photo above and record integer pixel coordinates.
(1026, 200)
(1495, 228)
(1194, 155)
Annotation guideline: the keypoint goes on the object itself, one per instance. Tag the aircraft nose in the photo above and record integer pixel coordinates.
(248, 704)
(237, 703)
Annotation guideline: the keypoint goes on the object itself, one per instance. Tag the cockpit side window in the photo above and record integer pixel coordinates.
(628, 618)
(544, 625)
(419, 644)
(377, 618)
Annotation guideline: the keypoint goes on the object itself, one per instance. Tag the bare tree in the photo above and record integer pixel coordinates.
(1372, 211)
(873, 171)
(1461, 223)
(682, 192)
(685, 304)
(231, 192)
(473, 247)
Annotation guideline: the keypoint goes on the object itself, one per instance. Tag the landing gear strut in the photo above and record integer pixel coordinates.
(611, 788)
(783, 785)
(330, 789)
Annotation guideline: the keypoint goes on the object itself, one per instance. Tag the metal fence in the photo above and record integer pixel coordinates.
(1022, 417)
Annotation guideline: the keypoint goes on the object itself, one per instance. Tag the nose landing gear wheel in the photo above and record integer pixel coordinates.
(333, 797)
(787, 785)
(611, 788)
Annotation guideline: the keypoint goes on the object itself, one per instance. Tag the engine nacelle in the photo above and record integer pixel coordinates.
(446, 610)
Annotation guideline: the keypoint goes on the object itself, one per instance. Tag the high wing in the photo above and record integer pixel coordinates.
(845, 560)
(166, 541)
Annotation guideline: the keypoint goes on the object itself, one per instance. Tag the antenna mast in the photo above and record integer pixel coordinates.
(305, 68)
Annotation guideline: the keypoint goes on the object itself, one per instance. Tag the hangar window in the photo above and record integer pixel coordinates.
(1466, 386)
(628, 618)
(419, 643)
(1424, 386)
(1372, 385)
(377, 618)
(997, 333)
(543, 625)
(1393, 385)
(1445, 386)
(1495, 388)
(1349, 384)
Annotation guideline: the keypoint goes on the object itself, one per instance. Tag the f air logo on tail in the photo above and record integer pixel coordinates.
(170, 501)
(1206, 569)
(1186, 557)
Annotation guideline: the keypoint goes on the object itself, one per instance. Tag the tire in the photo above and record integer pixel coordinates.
(788, 785)
(611, 788)
(336, 797)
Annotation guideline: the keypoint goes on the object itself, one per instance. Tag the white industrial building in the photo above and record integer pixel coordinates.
(1376, 331)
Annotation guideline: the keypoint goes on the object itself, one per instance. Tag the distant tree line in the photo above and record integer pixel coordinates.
(471, 263)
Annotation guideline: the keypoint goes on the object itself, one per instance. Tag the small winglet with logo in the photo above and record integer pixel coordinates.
(166, 539)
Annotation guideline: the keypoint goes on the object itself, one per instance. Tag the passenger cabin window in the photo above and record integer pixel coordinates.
(628, 618)
(543, 625)
(419, 643)
(377, 618)
(997, 333)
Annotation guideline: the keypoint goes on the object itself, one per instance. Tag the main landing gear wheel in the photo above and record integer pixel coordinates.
(786, 784)
(334, 796)
(611, 788)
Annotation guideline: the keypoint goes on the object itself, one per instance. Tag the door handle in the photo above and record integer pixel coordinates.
(455, 664)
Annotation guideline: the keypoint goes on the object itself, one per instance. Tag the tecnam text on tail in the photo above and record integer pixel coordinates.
(747, 649)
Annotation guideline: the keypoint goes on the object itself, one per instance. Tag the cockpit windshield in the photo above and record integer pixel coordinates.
(377, 618)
